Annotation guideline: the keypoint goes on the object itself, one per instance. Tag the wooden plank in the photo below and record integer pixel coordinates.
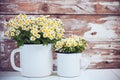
(102, 52)
(106, 65)
(104, 45)
(92, 28)
(56, 1)
(60, 7)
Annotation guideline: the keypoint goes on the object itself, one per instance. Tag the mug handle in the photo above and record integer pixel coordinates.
(87, 61)
(13, 61)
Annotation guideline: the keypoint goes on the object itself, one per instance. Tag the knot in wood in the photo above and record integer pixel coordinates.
(45, 7)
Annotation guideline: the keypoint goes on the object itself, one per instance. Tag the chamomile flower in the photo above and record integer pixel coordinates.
(32, 38)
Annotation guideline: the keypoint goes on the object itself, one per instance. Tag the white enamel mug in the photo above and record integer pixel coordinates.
(69, 65)
(35, 60)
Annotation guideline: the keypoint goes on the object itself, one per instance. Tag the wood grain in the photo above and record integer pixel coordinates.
(60, 7)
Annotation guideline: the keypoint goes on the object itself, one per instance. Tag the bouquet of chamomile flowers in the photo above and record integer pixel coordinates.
(73, 44)
(34, 30)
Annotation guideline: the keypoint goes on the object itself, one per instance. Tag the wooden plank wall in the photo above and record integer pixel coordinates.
(98, 21)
